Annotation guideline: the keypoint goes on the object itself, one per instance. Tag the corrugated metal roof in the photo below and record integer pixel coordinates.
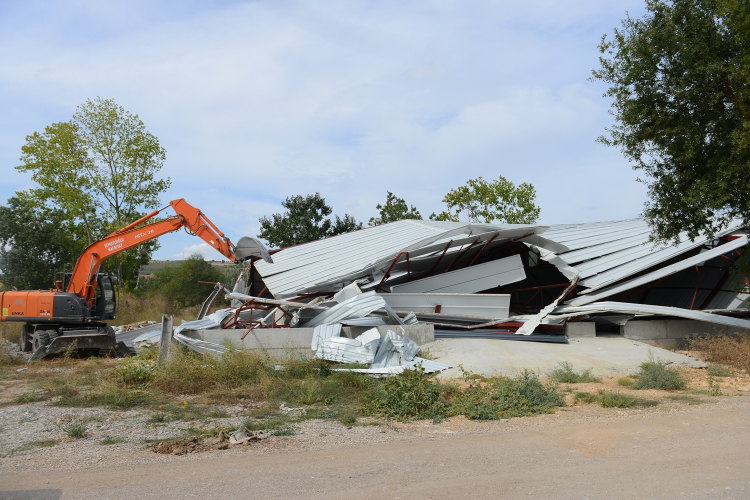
(318, 264)
(607, 252)
(660, 273)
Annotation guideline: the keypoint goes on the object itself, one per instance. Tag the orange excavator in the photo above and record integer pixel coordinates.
(72, 314)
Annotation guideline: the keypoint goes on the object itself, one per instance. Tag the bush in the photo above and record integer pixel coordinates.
(411, 395)
(179, 283)
(625, 382)
(504, 397)
(656, 375)
(565, 374)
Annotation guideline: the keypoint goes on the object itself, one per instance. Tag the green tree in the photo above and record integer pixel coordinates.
(36, 242)
(102, 164)
(304, 220)
(179, 283)
(487, 201)
(395, 208)
(680, 83)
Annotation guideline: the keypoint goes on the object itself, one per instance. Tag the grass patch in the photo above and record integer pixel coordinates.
(687, 399)
(565, 374)
(656, 375)
(27, 397)
(45, 443)
(718, 370)
(612, 399)
(625, 382)
(111, 440)
(75, 430)
(732, 350)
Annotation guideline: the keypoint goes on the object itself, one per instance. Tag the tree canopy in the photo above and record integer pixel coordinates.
(179, 283)
(394, 209)
(487, 201)
(103, 164)
(36, 242)
(680, 82)
(304, 220)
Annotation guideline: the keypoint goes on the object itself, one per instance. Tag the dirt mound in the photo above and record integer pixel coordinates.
(193, 444)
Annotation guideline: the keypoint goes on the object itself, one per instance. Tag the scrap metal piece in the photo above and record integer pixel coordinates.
(324, 332)
(464, 304)
(628, 308)
(167, 323)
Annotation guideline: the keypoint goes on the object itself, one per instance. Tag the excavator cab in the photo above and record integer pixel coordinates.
(105, 298)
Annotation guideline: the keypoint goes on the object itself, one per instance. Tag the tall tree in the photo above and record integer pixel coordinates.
(680, 82)
(36, 243)
(304, 220)
(103, 164)
(394, 209)
(487, 201)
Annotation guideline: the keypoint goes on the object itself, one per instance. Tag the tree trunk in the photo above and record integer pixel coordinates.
(119, 274)
(88, 230)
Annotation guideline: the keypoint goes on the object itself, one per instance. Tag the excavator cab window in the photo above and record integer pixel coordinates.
(105, 301)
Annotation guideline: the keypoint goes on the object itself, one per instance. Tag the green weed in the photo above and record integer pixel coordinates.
(714, 389)
(347, 417)
(656, 375)
(565, 374)
(75, 430)
(625, 382)
(611, 399)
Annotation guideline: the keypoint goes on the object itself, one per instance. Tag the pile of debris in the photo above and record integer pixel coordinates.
(474, 280)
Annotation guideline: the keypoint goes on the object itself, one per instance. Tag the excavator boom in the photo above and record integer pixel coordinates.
(83, 279)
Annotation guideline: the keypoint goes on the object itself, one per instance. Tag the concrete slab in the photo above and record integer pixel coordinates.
(605, 355)
(280, 343)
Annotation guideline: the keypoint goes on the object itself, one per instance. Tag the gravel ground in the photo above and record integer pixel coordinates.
(24, 425)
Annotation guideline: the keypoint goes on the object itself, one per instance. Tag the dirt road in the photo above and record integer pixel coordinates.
(702, 452)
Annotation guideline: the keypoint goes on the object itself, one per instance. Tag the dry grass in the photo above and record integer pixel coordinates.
(732, 350)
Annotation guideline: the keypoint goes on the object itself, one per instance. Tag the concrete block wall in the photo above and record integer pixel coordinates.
(673, 332)
(578, 329)
(280, 343)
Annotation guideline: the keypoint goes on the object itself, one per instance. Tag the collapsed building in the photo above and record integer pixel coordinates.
(523, 282)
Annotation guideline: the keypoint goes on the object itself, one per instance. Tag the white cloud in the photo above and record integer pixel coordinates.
(206, 250)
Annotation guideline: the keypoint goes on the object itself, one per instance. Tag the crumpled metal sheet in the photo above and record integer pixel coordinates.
(356, 307)
(387, 355)
(324, 332)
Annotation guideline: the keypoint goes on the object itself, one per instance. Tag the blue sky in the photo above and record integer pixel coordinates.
(257, 101)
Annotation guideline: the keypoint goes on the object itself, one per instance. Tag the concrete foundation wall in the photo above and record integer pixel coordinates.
(673, 332)
(580, 329)
(282, 342)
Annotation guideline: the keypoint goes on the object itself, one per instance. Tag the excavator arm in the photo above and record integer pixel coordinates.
(83, 279)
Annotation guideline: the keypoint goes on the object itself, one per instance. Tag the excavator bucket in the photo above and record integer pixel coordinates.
(251, 247)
